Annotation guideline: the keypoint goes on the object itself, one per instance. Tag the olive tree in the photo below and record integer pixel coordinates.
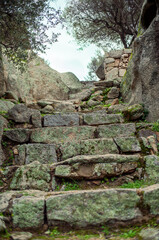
(101, 21)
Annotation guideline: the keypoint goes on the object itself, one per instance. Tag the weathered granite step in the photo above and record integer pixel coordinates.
(42, 176)
(68, 134)
(59, 119)
(62, 134)
(97, 166)
(51, 153)
(100, 146)
(74, 119)
(32, 209)
(101, 117)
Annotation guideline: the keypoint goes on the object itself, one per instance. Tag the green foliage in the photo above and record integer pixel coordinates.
(95, 62)
(155, 126)
(3, 113)
(131, 233)
(105, 230)
(6, 235)
(105, 180)
(105, 92)
(98, 22)
(107, 105)
(69, 186)
(4, 144)
(137, 184)
(24, 25)
(54, 232)
(11, 155)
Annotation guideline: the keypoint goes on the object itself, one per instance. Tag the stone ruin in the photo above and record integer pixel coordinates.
(114, 65)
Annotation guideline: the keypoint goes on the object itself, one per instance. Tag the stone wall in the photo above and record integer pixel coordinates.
(114, 65)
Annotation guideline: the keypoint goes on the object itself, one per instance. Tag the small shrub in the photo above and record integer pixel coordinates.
(155, 126)
(131, 233)
(54, 232)
(105, 230)
(69, 186)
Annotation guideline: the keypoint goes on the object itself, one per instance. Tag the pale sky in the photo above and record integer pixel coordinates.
(65, 56)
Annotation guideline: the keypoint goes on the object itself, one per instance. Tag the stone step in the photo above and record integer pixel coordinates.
(97, 166)
(100, 146)
(62, 134)
(32, 209)
(59, 119)
(74, 119)
(90, 147)
(105, 84)
(68, 134)
(51, 153)
(101, 117)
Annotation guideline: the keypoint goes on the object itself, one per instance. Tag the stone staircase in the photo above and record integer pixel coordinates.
(92, 152)
(67, 168)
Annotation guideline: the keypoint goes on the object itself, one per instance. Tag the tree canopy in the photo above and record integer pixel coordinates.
(24, 25)
(97, 21)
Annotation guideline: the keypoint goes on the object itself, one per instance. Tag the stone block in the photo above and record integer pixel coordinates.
(109, 60)
(149, 234)
(122, 72)
(59, 119)
(5, 105)
(100, 72)
(104, 158)
(32, 176)
(104, 84)
(115, 53)
(152, 168)
(101, 117)
(28, 212)
(128, 144)
(114, 130)
(19, 135)
(43, 153)
(113, 74)
(62, 134)
(113, 93)
(151, 199)
(94, 171)
(88, 147)
(133, 112)
(92, 208)
(128, 51)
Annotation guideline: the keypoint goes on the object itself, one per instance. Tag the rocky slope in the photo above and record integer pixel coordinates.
(39, 81)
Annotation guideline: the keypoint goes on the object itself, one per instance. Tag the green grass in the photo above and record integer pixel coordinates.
(137, 184)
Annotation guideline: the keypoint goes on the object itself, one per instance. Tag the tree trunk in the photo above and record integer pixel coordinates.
(2, 78)
(122, 37)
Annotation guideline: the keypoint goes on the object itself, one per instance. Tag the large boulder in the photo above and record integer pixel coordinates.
(141, 82)
(71, 81)
(39, 81)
